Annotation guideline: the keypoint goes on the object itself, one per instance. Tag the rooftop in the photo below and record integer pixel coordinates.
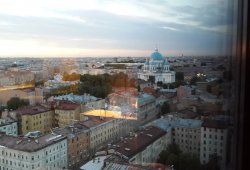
(96, 164)
(6, 121)
(29, 145)
(77, 98)
(31, 110)
(95, 121)
(131, 146)
(218, 124)
(120, 166)
(67, 105)
(170, 121)
(71, 131)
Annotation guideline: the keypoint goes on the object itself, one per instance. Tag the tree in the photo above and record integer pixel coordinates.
(172, 155)
(15, 102)
(165, 108)
(213, 163)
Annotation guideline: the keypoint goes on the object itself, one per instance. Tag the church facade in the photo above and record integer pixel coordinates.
(156, 69)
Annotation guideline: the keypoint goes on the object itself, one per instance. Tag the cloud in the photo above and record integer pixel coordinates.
(170, 28)
(180, 25)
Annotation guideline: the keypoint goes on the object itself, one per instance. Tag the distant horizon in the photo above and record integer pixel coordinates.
(100, 28)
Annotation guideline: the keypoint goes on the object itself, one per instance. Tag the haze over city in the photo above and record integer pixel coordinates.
(60, 28)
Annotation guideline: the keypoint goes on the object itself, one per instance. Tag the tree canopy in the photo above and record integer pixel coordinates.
(101, 85)
(172, 155)
(15, 102)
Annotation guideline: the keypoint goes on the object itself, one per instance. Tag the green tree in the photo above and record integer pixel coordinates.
(172, 155)
(15, 102)
(213, 163)
(165, 108)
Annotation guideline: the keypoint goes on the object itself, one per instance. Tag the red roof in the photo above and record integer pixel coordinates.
(31, 110)
(131, 146)
(66, 105)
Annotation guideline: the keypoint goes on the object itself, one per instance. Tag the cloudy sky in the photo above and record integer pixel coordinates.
(113, 27)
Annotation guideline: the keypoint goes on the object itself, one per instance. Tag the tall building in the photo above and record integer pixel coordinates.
(214, 138)
(47, 152)
(157, 69)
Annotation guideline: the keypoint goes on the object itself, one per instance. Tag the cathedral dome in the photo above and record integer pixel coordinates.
(156, 55)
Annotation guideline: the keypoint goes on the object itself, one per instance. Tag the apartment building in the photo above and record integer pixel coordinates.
(78, 143)
(33, 118)
(142, 147)
(104, 130)
(48, 152)
(184, 132)
(66, 112)
(214, 137)
(8, 126)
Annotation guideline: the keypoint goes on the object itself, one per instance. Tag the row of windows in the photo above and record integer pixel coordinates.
(210, 130)
(215, 136)
(215, 150)
(18, 164)
(210, 142)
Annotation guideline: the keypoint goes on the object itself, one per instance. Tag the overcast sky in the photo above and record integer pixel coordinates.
(113, 27)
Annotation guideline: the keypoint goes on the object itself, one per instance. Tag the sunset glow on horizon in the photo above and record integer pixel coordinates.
(53, 28)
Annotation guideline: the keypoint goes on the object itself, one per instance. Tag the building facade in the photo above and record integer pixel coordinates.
(157, 69)
(8, 126)
(183, 132)
(78, 143)
(214, 137)
(33, 118)
(66, 113)
(47, 152)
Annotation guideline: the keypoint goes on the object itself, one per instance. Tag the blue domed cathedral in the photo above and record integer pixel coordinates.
(156, 69)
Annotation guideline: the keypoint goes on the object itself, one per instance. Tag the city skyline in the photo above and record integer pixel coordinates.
(114, 28)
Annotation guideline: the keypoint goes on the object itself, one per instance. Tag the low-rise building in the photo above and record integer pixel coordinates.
(66, 112)
(8, 126)
(33, 118)
(47, 152)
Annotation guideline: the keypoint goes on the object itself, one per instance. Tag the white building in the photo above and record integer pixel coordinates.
(214, 134)
(47, 152)
(156, 69)
(8, 126)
